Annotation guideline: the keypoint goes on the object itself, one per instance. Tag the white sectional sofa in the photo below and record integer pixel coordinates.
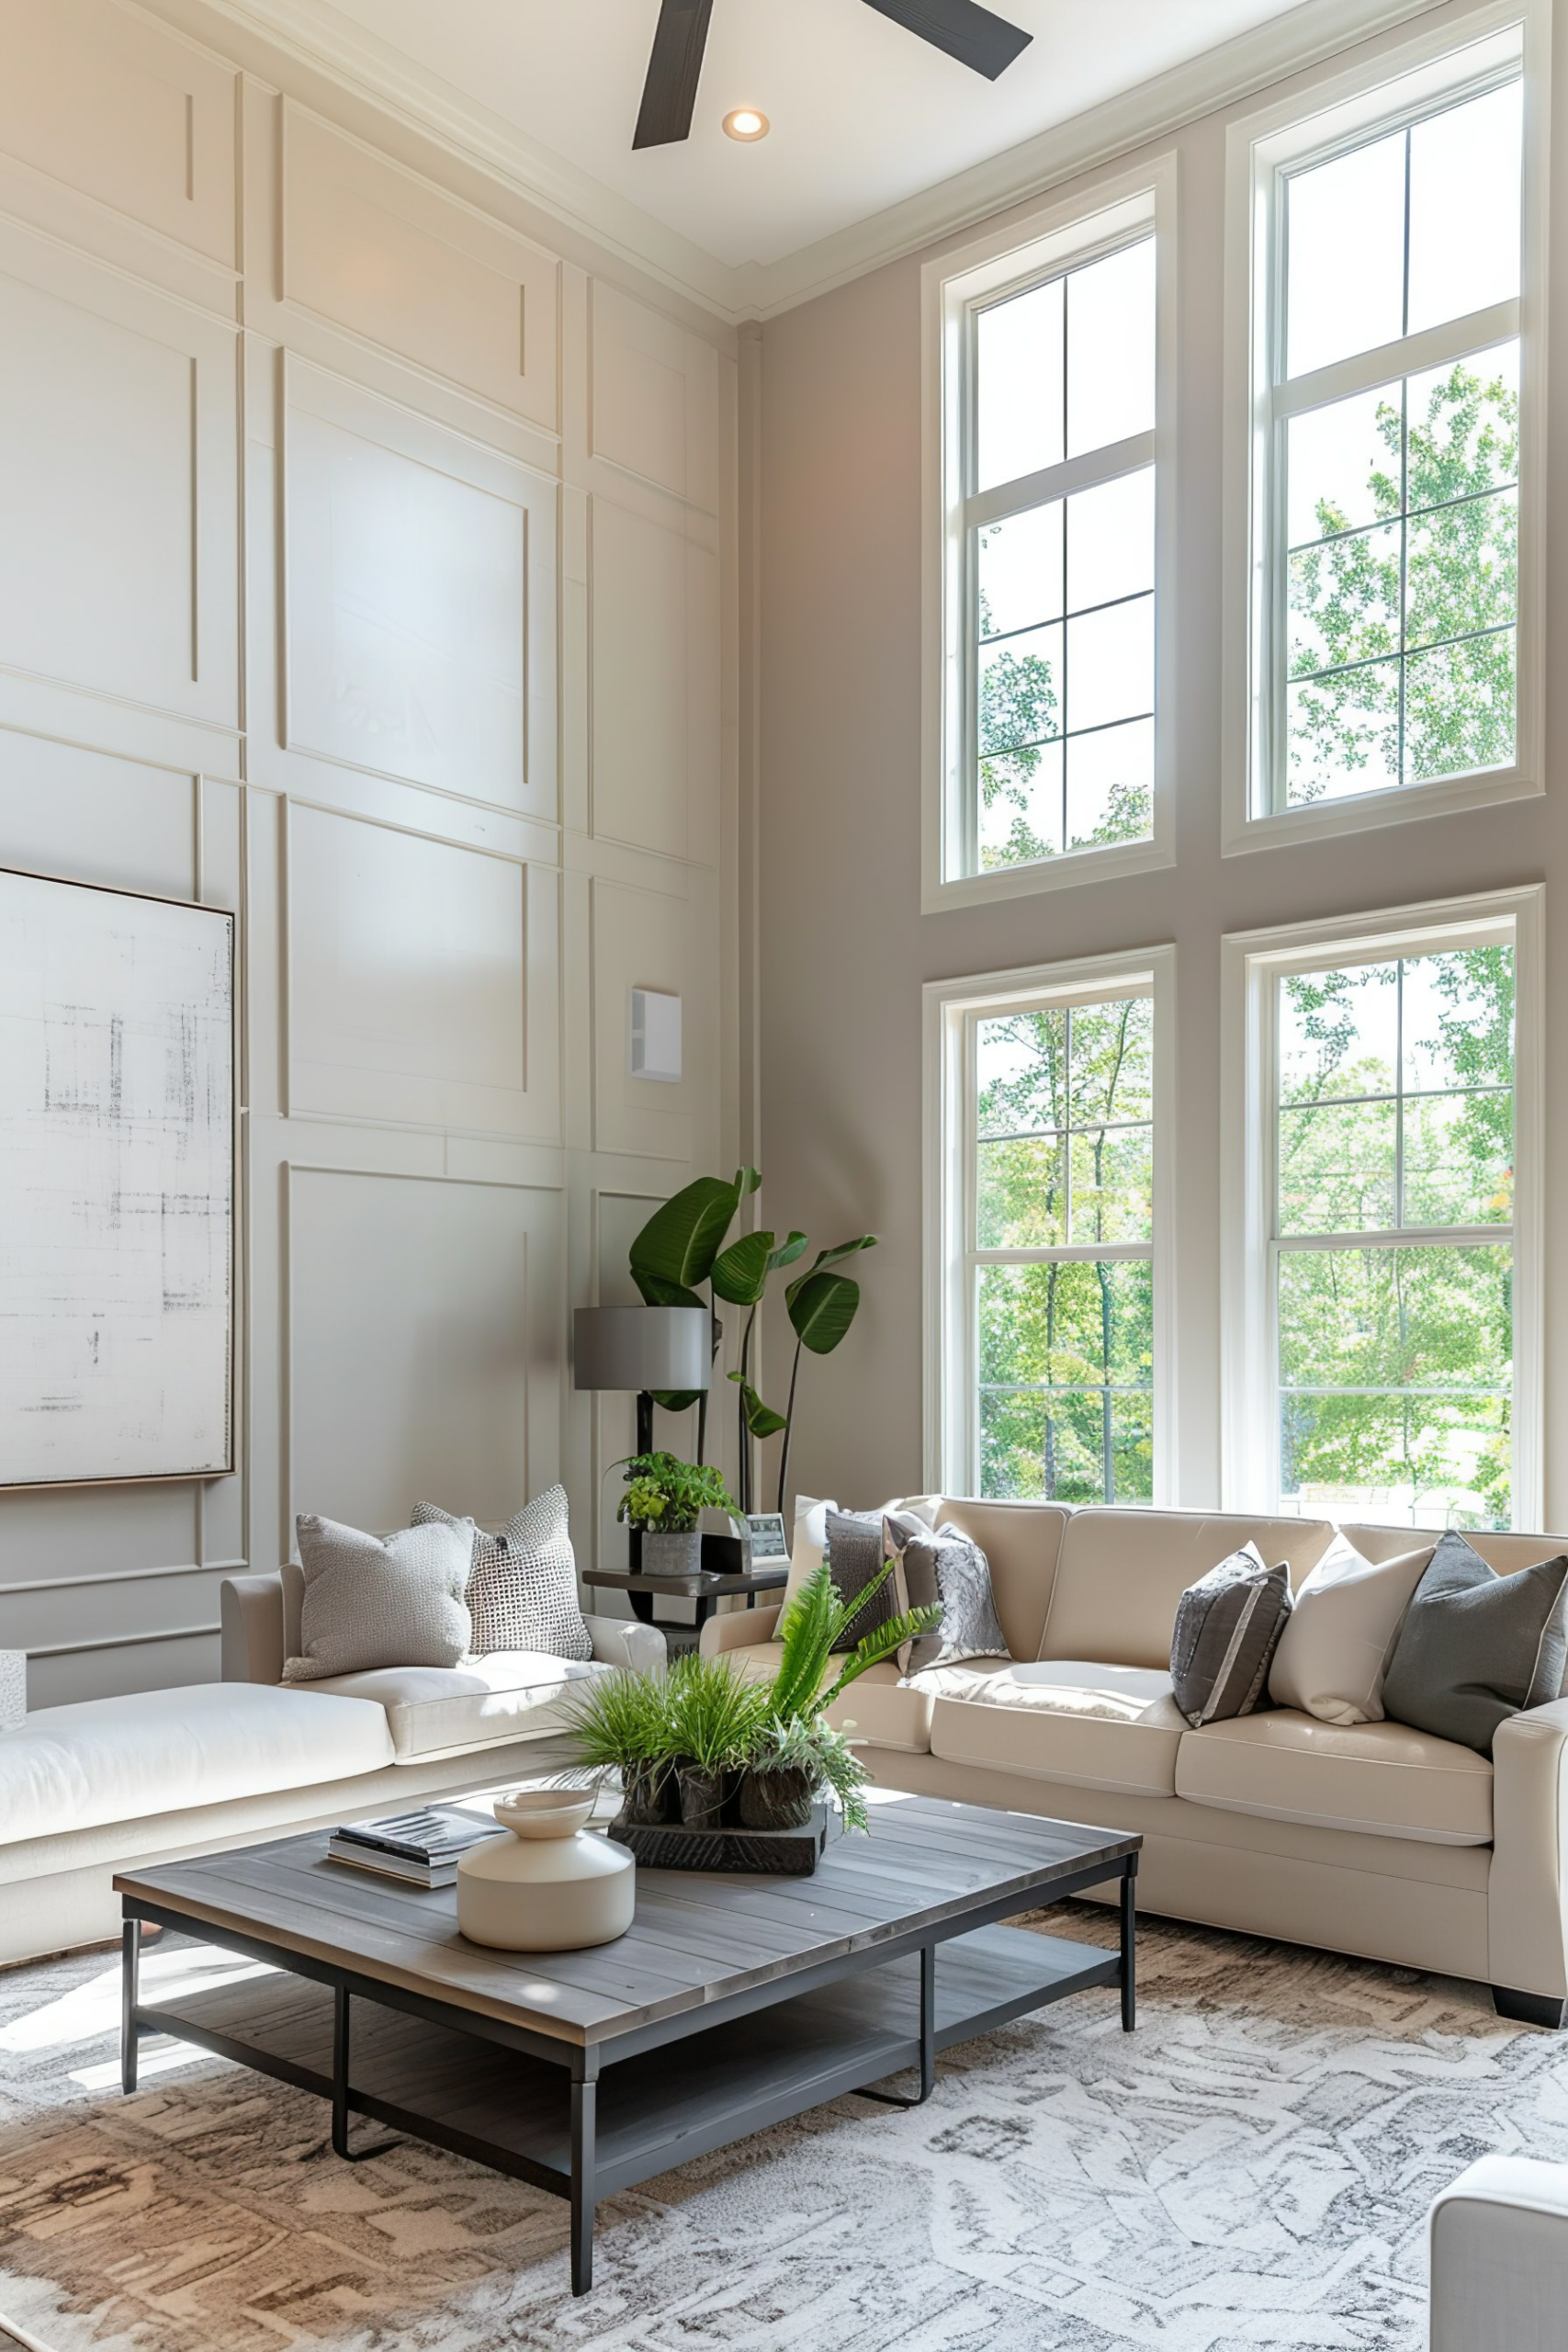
(1371, 1838)
(87, 1790)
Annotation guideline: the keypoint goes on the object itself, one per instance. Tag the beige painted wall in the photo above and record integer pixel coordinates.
(367, 568)
(844, 948)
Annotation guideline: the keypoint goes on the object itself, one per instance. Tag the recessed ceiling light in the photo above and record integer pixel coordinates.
(746, 124)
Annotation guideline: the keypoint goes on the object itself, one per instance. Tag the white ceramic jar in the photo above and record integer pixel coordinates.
(552, 1885)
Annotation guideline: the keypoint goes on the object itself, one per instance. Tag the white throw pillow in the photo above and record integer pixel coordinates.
(1337, 1638)
(373, 1602)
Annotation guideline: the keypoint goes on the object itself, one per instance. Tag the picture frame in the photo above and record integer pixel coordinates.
(118, 1185)
(764, 1539)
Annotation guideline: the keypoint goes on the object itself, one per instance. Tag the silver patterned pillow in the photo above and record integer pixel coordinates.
(523, 1588)
(946, 1570)
(371, 1602)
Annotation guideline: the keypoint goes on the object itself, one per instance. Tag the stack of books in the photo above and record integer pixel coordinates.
(420, 1848)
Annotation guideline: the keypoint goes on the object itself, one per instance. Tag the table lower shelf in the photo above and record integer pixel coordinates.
(662, 2108)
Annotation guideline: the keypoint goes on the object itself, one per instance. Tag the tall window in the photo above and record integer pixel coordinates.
(1387, 442)
(1063, 605)
(1046, 669)
(1048, 1358)
(1394, 1185)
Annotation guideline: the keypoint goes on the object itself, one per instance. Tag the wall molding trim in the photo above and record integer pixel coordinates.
(1233, 71)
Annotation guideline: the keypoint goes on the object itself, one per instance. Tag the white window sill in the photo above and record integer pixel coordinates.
(1070, 871)
(1400, 805)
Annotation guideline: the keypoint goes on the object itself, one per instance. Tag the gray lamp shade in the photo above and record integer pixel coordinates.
(641, 1347)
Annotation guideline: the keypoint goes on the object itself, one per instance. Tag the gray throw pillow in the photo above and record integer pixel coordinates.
(946, 1570)
(855, 1560)
(522, 1591)
(371, 1602)
(1228, 1628)
(1474, 1648)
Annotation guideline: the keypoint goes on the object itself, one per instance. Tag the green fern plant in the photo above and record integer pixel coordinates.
(810, 1626)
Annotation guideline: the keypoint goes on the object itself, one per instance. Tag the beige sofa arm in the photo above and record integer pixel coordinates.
(623, 1641)
(250, 1612)
(1528, 1891)
(739, 1629)
(1499, 2257)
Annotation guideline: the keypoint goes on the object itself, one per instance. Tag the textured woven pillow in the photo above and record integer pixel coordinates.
(1474, 1648)
(371, 1602)
(523, 1590)
(942, 1568)
(855, 1560)
(1338, 1636)
(1227, 1627)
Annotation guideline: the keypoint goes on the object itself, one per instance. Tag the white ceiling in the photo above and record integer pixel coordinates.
(863, 114)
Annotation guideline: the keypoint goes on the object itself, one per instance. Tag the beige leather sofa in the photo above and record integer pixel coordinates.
(90, 1789)
(1371, 1838)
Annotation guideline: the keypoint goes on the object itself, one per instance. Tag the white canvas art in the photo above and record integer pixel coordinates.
(116, 1185)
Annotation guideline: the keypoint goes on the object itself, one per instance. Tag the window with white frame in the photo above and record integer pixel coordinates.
(1049, 390)
(1392, 1272)
(1045, 1295)
(1387, 447)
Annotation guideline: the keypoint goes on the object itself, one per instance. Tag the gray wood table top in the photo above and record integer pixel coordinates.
(697, 1937)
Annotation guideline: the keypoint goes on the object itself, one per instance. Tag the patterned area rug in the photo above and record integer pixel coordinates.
(1251, 2169)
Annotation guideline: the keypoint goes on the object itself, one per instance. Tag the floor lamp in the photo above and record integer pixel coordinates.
(642, 1349)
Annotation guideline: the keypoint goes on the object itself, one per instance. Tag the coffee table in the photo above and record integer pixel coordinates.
(732, 2002)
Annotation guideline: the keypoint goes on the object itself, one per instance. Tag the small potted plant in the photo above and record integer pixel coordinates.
(620, 1723)
(716, 1724)
(664, 1499)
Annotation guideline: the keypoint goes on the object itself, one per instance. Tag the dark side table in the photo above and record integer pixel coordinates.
(707, 1591)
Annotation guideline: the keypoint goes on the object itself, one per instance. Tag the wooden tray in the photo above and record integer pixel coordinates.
(786, 1853)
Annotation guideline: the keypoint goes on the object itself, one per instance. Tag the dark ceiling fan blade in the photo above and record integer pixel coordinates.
(670, 90)
(962, 28)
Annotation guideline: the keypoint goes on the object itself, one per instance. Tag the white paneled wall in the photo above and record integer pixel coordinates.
(362, 569)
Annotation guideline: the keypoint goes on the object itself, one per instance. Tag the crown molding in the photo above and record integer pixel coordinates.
(1236, 69)
(373, 70)
(1217, 77)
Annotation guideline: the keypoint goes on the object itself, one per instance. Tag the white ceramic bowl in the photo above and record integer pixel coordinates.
(544, 1813)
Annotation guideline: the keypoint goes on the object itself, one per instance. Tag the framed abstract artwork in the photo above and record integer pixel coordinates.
(116, 1185)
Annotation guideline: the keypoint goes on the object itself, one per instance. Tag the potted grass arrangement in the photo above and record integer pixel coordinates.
(716, 1721)
(706, 1746)
(621, 1723)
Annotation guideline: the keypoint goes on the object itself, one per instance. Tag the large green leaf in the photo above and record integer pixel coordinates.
(680, 1240)
(826, 1258)
(821, 1308)
(760, 1420)
(788, 1252)
(677, 1400)
(657, 1291)
(740, 1273)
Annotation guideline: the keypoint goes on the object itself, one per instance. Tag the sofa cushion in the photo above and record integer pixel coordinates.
(374, 1600)
(1475, 1647)
(1022, 1545)
(1074, 1720)
(1382, 1778)
(1122, 1572)
(1335, 1643)
(157, 1751)
(430, 1710)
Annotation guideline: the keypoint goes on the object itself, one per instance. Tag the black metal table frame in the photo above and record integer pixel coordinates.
(704, 1590)
(588, 2182)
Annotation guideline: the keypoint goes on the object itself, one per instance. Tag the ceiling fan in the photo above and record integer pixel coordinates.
(965, 30)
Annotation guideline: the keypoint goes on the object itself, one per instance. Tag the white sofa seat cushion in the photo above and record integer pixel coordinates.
(431, 1709)
(1382, 1778)
(158, 1751)
(1070, 1719)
